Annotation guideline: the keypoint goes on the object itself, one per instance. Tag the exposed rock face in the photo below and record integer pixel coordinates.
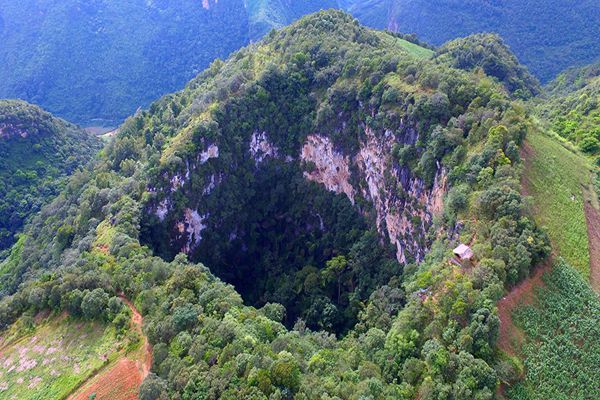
(178, 180)
(191, 226)
(406, 218)
(206, 4)
(8, 131)
(163, 209)
(331, 168)
(404, 206)
(211, 152)
(261, 148)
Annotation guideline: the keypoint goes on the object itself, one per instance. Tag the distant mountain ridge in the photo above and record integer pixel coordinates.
(95, 62)
(547, 36)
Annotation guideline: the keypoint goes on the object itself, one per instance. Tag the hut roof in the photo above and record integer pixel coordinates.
(463, 251)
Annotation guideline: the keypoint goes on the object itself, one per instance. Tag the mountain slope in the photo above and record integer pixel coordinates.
(97, 62)
(559, 295)
(490, 53)
(547, 36)
(327, 172)
(572, 107)
(37, 151)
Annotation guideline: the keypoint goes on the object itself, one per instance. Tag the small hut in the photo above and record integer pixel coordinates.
(463, 252)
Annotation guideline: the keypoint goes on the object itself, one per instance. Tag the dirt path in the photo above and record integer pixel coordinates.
(511, 338)
(136, 319)
(592, 217)
(121, 380)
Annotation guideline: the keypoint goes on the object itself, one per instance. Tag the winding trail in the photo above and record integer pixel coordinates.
(120, 380)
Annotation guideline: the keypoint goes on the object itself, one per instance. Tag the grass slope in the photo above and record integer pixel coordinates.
(555, 178)
(411, 48)
(54, 359)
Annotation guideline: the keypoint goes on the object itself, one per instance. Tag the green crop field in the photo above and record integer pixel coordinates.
(556, 178)
(563, 339)
(54, 359)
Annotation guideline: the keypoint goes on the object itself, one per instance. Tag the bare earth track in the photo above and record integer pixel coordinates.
(121, 380)
(511, 338)
(592, 217)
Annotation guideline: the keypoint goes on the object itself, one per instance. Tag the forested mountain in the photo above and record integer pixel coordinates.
(489, 53)
(37, 153)
(548, 36)
(326, 172)
(96, 62)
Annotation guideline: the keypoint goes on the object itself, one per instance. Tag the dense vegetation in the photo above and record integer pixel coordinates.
(426, 330)
(97, 62)
(265, 15)
(37, 153)
(563, 339)
(488, 52)
(547, 36)
(573, 108)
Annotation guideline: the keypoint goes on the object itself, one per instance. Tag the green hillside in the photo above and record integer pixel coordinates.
(37, 153)
(265, 15)
(49, 360)
(285, 223)
(95, 63)
(554, 320)
(556, 178)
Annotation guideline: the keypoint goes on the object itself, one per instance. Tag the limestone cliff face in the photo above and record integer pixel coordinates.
(331, 168)
(403, 205)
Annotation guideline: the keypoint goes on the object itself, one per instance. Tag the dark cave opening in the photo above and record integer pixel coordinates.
(278, 238)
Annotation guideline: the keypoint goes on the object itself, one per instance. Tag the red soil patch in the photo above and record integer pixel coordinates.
(592, 217)
(511, 338)
(122, 380)
(136, 319)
